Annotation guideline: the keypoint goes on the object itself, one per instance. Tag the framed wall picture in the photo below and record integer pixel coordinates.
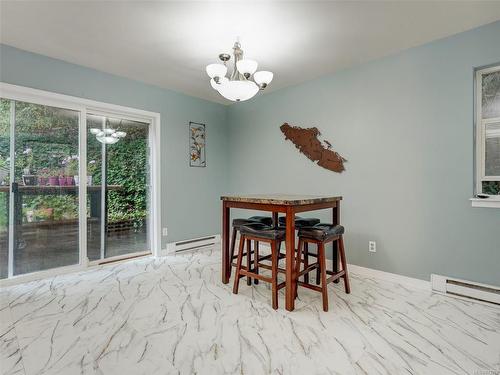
(197, 142)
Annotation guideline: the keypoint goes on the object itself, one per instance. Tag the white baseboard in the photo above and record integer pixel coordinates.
(381, 275)
(392, 277)
(172, 247)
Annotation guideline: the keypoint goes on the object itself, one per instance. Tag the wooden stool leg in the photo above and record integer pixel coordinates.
(343, 260)
(322, 263)
(306, 260)
(238, 266)
(256, 260)
(335, 260)
(233, 245)
(297, 264)
(318, 270)
(249, 260)
(274, 271)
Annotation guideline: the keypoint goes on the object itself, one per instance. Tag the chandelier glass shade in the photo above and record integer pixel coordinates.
(216, 70)
(239, 86)
(263, 77)
(238, 91)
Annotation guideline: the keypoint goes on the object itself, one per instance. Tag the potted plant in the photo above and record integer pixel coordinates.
(28, 178)
(53, 177)
(43, 176)
(62, 178)
(72, 170)
(91, 168)
(44, 214)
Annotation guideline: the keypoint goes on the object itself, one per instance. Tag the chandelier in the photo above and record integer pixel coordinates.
(239, 86)
(107, 135)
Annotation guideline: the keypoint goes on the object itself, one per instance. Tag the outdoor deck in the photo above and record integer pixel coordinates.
(44, 245)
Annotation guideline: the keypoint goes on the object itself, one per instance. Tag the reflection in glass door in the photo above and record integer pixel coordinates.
(117, 187)
(42, 209)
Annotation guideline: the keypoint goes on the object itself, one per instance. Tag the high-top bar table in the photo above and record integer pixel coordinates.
(276, 203)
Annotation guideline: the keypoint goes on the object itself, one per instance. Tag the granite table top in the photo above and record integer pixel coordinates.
(280, 199)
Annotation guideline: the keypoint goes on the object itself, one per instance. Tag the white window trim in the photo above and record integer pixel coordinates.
(480, 139)
(27, 94)
(490, 202)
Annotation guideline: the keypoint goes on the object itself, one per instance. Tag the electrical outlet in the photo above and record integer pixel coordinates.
(372, 246)
(165, 231)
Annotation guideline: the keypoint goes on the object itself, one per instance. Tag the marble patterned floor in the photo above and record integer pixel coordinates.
(172, 315)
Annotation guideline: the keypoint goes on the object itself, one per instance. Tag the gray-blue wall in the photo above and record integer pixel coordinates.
(190, 196)
(405, 124)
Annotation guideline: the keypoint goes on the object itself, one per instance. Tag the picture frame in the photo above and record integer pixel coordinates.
(197, 144)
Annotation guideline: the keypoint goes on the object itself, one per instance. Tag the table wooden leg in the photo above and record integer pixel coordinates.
(275, 219)
(226, 261)
(249, 261)
(290, 254)
(335, 256)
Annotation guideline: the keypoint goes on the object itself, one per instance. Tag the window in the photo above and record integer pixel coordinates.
(488, 131)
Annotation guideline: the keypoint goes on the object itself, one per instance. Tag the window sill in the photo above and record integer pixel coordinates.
(492, 202)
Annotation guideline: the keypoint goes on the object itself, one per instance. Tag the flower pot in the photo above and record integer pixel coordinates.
(42, 181)
(70, 181)
(29, 180)
(53, 181)
(62, 181)
(89, 180)
(77, 180)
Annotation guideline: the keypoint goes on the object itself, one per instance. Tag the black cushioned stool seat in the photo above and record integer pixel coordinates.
(321, 232)
(259, 230)
(254, 219)
(300, 221)
(268, 220)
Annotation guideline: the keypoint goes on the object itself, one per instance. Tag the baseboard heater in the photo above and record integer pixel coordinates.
(193, 244)
(465, 289)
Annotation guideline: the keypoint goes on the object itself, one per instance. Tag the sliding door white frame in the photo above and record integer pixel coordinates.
(84, 106)
(12, 155)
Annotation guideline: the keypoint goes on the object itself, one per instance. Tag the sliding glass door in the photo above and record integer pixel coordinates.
(41, 211)
(118, 187)
(39, 149)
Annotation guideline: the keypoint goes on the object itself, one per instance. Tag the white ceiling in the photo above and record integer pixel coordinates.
(168, 44)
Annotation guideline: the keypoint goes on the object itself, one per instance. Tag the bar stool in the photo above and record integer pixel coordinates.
(237, 223)
(261, 233)
(321, 234)
(301, 222)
